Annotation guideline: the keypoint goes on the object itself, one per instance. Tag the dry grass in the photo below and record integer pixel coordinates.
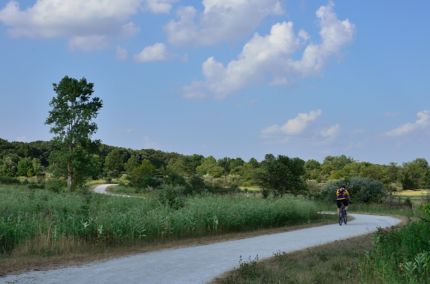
(337, 262)
(250, 188)
(413, 193)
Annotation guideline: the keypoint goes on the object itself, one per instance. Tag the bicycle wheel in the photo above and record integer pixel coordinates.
(345, 217)
(340, 218)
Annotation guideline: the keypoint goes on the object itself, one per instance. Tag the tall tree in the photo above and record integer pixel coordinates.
(114, 162)
(282, 174)
(71, 120)
(416, 174)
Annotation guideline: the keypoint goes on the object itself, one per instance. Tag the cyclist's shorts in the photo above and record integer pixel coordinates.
(344, 201)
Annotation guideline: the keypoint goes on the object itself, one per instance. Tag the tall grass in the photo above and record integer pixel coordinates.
(373, 208)
(43, 222)
(400, 256)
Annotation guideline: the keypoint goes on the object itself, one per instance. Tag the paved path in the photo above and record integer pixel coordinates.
(200, 264)
(102, 188)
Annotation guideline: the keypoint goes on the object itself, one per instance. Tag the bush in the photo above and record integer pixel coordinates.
(8, 180)
(172, 196)
(313, 189)
(196, 185)
(361, 189)
(36, 185)
(399, 256)
(56, 185)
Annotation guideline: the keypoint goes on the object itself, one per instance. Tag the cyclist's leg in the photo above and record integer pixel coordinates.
(338, 204)
(346, 203)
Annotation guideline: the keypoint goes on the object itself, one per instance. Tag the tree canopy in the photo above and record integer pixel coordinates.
(73, 110)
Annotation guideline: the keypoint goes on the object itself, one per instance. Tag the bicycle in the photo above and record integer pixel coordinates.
(343, 218)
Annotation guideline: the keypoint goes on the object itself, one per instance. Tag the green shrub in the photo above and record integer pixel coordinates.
(172, 196)
(56, 185)
(36, 185)
(8, 180)
(361, 189)
(399, 256)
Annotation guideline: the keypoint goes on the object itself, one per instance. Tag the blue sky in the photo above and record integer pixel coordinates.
(238, 78)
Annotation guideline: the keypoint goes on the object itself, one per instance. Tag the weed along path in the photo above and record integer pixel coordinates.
(202, 263)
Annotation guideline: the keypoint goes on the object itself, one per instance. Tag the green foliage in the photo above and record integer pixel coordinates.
(249, 172)
(332, 166)
(73, 110)
(195, 185)
(361, 190)
(114, 162)
(143, 175)
(416, 174)
(399, 256)
(55, 185)
(29, 215)
(172, 196)
(313, 170)
(25, 167)
(8, 180)
(210, 167)
(282, 174)
(9, 165)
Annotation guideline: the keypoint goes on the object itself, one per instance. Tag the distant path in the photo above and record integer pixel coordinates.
(102, 188)
(201, 264)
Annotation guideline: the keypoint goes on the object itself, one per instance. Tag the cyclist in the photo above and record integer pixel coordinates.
(342, 197)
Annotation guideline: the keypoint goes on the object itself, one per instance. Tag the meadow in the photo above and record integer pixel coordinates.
(41, 222)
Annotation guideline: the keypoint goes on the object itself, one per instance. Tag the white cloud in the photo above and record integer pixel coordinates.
(83, 22)
(292, 127)
(423, 121)
(330, 132)
(273, 55)
(334, 35)
(220, 20)
(259, 56)
(158, 6)
(121, 53)
(156, 52)
(87, 43)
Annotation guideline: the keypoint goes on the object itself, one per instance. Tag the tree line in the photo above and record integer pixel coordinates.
(148, 167)
(74, 157)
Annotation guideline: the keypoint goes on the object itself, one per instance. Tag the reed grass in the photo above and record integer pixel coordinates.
(34, 221)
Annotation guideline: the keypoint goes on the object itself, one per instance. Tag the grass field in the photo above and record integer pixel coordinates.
(39, 222)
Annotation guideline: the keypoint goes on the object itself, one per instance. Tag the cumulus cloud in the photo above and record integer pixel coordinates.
(334, 35)
(330, 132)
(156, 52)
(274, 55)
(292, 127)
(86, 24)
(158, 6)
(220, 20)
(423, 121)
